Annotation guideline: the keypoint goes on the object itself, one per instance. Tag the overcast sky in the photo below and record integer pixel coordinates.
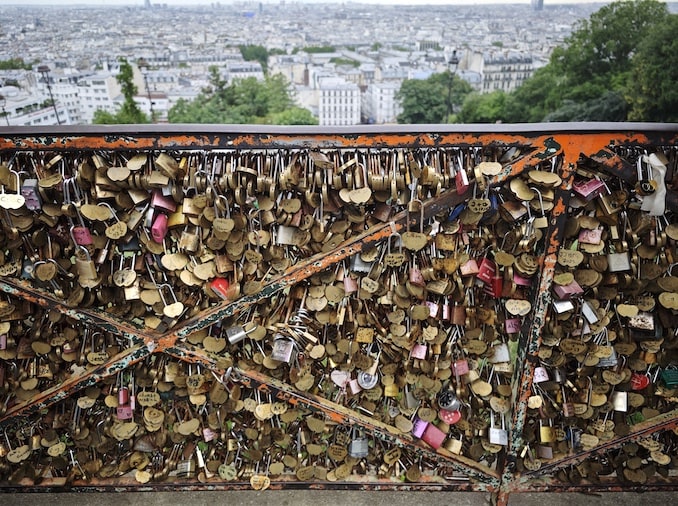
(225, 2)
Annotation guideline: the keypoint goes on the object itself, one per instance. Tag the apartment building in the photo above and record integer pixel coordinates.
(379, 104)
(339, 102)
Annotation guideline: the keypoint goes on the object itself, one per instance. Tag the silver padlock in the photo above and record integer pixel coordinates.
(358, 448)
(498, 436)
(236, 334)
(282, 349)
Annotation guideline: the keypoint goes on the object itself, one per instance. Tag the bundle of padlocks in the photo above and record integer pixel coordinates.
(416, 335)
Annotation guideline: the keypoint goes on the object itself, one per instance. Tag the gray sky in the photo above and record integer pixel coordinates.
(225, 2)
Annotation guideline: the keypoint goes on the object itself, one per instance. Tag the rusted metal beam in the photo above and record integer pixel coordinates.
(544, 148)
(81, 379)
(100, 319)
(200, 137)
(283, 482)
(665, 421)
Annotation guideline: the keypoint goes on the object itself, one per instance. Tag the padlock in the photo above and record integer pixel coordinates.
(189, 241)
(620, 401)
(358, 448)
(566, 292)
(669, 377)
(546, 434)
(589, 189)
(30, 192)
(282, 348)
(433, 436)
(618, 262)
(540, 374)
(159, 228)
(237, 333)
(160, 201)
(84, 265)
(500, 353)
(498, 436)
(487, 271)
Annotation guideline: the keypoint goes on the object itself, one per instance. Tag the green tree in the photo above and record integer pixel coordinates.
(319, 49)
(255, 53)
(243, 101)
(294, 116)
(651, 91)
(14, 64)
(129, 112)
(611, 106)
(426, 100)
(597, 56)
(487, 108)
(537, 96)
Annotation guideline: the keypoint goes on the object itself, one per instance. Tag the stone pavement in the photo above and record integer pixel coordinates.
(330, 498)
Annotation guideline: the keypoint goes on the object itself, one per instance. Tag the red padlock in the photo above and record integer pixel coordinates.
(487, 270)
(221, 287)
(461, 182)
(449, 417)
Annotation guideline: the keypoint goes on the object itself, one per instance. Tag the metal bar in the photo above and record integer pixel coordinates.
(532, 330)
(284, 482)
(180, 137)
(104, 321)
(548, 148)
(78, 381)
(665, 421)
(605, 484)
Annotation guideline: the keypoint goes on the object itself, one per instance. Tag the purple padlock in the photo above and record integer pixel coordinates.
(419, 427)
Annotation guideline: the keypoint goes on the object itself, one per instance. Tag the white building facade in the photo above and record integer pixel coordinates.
(380, 104)
(339, 102)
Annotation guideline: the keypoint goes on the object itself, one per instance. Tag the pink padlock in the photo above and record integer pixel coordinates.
(123, 396)
(208, 434)
(594, 236)
(460, 367)
(540, 374)
(160, 201)
(82, 236)
(521, 281)
(354, 386)
(350, 284)
(512, 325)
(416, 277)
(433, 436)
(419, 351)
(124, 413)
(159, 228)
(589, 189)
(433, 308)
(566, 292)
(469, 268)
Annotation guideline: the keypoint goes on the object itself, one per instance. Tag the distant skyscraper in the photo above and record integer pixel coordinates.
(147, 4)
(537, 5)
